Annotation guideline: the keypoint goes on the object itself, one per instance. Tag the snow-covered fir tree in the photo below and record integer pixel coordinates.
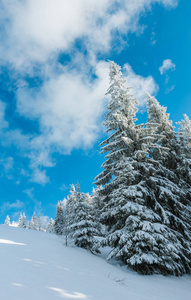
(71, 199)
(125, 212)
(50, 226)
(167, 189)
(70, 203)
(156, 242)
(59, 220)
(120, 120)
(82, 228)
(22, 221)
(96, 201)
(184, 136)
(140, 205)
(7, 220)
(164, 197)
(97, 205)
(33, 224)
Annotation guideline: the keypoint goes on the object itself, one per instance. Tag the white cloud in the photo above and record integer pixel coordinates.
(64, 187)
(28, 147)
(70, 103)
(7, 164)
(3, 123)
(39, 176)
(8, 206)
(170, 89)
(30, 193)
(167, 65)
(69, 108)
(153, 38)
(36, 31)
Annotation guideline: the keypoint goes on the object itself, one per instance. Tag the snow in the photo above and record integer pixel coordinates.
(36, 265)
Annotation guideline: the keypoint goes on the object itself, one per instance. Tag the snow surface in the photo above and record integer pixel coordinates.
(37, 266)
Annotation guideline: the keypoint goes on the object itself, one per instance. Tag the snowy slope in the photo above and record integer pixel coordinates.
(36, 266)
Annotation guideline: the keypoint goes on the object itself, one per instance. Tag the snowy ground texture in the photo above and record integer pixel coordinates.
(36, 266)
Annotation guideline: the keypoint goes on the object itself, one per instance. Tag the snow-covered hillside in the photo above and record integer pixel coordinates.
(37, 266)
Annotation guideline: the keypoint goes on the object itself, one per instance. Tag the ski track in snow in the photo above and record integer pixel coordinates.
(36, 265)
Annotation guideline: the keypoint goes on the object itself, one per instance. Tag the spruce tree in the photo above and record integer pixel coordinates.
(33, 224)
(50, 226)
(96, 206)
(69, 211)
(59, 220)
(7, 221)
(152, 233)
(71, 200)
(165, 193)
(96, 201)
(120, 120)
(184, 136)
(144, 209)
(82, 228)
(22, 221)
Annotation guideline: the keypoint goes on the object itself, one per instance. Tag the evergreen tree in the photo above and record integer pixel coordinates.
(156, 235)
(144, 208)
(59, 220)
(70, 205)
(184, 136)
(165, 197)
(22, 221)
(7, 221)
(120, 120)
(121, 192)
(50, 226)
(97, 206)
(96, 201)
(83, 228)
(69, 211)
(33, 224)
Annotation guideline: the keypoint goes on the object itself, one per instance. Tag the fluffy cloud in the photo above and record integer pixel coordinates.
(30, 193)
(69, 108)
(6, 206)
(7, 164)
(69, 103)
(3, 123)
(36, 31)
(167, 65)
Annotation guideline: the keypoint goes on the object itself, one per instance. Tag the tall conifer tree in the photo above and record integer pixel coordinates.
(82, 226)
(22, 221)
(185, 144)
(50, 226)
(59, 220)
(7, 221)
(120, 121)
(33, 224)
(140, 205)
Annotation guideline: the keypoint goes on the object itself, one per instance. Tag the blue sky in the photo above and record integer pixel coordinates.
(53, 79)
